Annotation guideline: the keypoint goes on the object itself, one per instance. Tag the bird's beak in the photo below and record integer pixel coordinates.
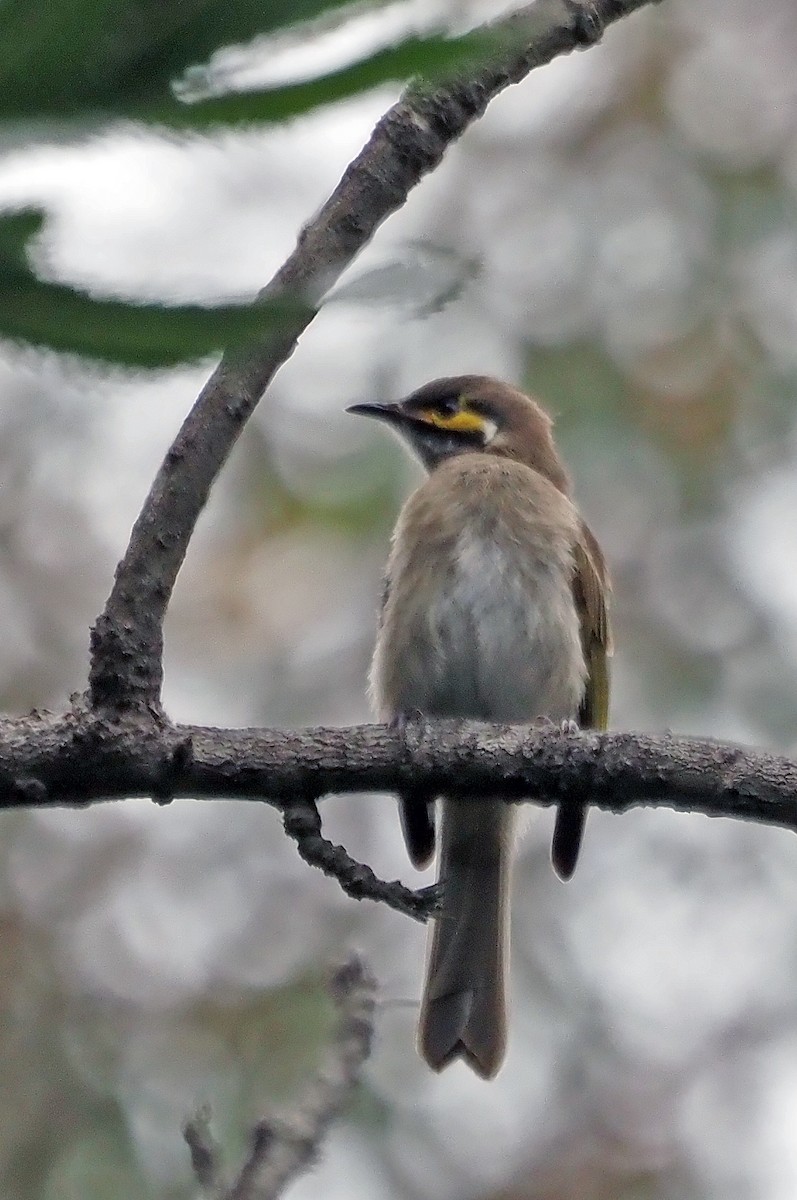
(391, 413)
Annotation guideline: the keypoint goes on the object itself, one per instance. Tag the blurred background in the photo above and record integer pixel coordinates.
(618, 234)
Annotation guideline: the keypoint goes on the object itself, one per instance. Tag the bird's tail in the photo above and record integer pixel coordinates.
(463, 1011)
(568, 833)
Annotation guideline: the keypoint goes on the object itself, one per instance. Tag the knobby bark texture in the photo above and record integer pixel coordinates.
(407, 143)
(89, 756)
(83, 758)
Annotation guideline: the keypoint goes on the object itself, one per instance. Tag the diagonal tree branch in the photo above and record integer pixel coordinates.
(407, 143)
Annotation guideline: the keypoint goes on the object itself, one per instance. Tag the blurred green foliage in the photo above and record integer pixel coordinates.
(141, 335)
(76, 67)
(101, 57)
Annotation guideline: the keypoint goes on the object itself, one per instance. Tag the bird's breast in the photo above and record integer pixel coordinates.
(480, 619)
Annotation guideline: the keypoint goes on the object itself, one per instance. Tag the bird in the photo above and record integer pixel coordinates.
(494, 607)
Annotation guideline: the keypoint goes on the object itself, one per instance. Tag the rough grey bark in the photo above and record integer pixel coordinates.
(83, 758)
(86, 757)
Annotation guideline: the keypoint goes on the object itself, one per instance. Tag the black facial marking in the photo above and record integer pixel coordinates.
(440, 394)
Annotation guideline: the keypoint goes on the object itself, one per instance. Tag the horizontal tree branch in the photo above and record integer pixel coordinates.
(407, 143)
(83, 757)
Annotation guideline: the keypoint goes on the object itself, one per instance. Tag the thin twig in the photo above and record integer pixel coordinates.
(204, 1150)
(302, 822)
(407, 143)
(284, 1146)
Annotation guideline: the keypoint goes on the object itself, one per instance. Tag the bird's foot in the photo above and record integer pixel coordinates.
(567, 728)
(401, 721)
(432, 897)
(410, 725)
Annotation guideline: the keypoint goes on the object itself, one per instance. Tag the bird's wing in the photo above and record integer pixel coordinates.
(590, 592)
(416, 807)
(383, 599)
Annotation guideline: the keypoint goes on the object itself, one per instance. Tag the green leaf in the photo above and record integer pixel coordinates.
(73, 58)
(89, 59)
(139, 335)
(105, 57)
(16, 231)
(430, 58)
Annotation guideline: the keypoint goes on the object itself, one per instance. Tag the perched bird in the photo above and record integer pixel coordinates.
(494, 607)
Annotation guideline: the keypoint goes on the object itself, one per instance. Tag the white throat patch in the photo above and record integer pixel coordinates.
(489, 430)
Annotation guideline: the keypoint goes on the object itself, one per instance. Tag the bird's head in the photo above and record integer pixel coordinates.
(467, 414)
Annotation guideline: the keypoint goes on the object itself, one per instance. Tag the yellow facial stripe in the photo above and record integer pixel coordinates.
(460, 422)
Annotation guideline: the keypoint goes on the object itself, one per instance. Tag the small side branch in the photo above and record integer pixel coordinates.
(284, 1146)
(205, 1153)
(302, 822)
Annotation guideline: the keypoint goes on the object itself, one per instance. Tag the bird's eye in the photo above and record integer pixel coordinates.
(447, 408)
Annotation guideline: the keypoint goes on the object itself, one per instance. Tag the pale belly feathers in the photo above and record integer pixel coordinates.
(498, 647)
(497, 637)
